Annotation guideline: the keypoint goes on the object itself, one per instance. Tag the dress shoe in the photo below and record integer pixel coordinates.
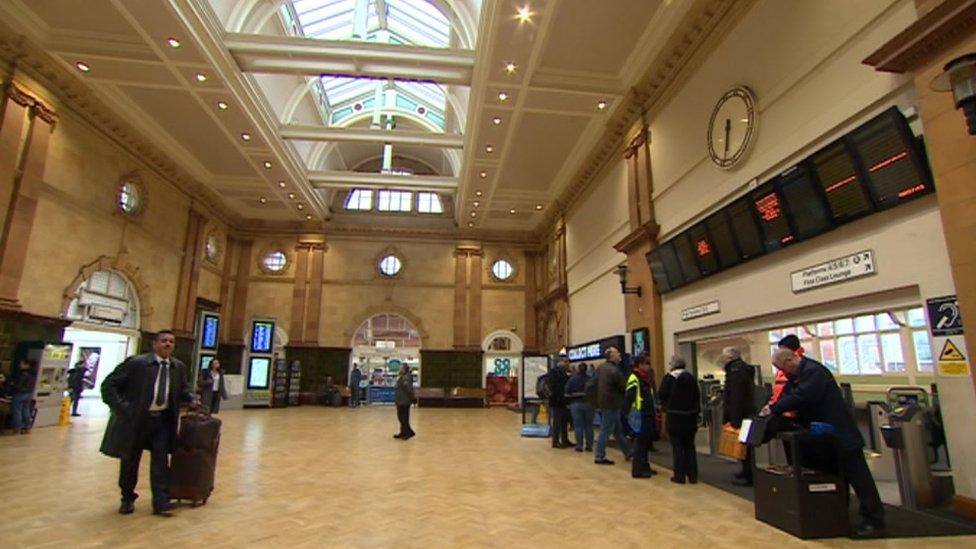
(164, 510)
(397, 436)
(408, 437)
(578, 449)
(868, 530)
(603, 461)
(741, 482)
(127, 507)
(588, 449)
(677, 480)
(75, 415)
(642, 474)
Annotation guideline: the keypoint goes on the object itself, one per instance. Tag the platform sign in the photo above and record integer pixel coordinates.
(944, 317)
(833, 271)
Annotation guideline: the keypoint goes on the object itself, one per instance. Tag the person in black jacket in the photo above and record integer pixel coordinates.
(739, 387)
(682, 400)
(76, 384)
(22, 405)
(815, 396)
(558, 406)
(581, 411)
(639, 398)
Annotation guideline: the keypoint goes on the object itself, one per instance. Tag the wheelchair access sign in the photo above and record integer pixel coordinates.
(944, 317)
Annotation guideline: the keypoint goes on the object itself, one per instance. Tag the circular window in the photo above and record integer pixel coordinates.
(390, 265)
(502, 269)
(275, 261)
(130, 197)
(210, 247)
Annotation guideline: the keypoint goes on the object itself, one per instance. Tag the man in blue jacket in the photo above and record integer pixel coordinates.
(815, 396)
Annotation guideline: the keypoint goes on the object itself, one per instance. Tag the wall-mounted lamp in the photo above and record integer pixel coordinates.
(621, 271)
(959, 76)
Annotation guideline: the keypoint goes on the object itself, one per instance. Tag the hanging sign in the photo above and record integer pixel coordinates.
(836, 270)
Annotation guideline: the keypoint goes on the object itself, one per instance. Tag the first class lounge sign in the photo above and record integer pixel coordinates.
(833, 271)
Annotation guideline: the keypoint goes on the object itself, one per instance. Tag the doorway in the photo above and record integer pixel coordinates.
(380, 346)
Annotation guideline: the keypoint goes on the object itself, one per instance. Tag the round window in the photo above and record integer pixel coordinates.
(390, 265)
(502, 269)
(210, 247)
(274, 262)
(129, 197)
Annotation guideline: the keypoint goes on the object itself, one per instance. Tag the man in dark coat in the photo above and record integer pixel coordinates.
(815, 396)
(611, 388)
(143, 394)
(76, 384)
(558, 405)
(739, 387)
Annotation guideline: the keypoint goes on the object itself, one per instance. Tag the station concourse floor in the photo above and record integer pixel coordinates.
(334, 477)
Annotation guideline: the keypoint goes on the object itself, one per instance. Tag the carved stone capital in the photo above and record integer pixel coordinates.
(646, 233)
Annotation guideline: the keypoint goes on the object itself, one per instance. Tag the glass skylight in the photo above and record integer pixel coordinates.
(360, 199)
(394, 201)
(429, 203)
(407, 22)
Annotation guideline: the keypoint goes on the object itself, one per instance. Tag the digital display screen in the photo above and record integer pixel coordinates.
(806, 206)
(887, 151)
(704, 249)
(838, 177)
(205, 361)
(671, 266)
(262, 336)
(686, 258)
(257, 373)
(657, 271)
(208, 334)
(744, 228)
(772, 218)
(726, 253)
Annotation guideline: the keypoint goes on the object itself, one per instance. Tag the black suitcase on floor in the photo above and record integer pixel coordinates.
(195, 458)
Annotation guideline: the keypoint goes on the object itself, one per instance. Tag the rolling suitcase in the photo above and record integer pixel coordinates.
(195, 458)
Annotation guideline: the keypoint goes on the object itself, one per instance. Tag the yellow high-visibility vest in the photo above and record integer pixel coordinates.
(632, 381)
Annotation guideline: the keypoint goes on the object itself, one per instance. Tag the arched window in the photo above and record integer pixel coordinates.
(105, 298)
(274, 262)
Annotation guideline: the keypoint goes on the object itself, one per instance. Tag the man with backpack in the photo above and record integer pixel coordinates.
(739, 402)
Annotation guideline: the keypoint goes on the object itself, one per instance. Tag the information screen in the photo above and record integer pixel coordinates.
(262, 336)
(726, 253)
(686, 258)
(671, 266)
(806, 206)
(743, 223)
(838, 177)
(769, 209)
(205, 361)
(258, 370)
(657, 271)
(208, 335)
(704, 249)
(887, 151)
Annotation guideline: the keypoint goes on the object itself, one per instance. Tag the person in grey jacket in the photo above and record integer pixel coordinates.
(404, 398)
(611, 388)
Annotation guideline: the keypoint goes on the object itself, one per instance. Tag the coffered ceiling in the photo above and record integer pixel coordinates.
(526, 100)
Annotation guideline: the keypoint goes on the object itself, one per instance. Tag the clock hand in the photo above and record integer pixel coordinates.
(728, 128)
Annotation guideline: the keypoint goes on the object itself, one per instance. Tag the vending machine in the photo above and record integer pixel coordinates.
(259, 363)
(53, 361)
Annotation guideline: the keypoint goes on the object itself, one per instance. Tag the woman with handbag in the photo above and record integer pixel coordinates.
(682, 398)
(640, 405)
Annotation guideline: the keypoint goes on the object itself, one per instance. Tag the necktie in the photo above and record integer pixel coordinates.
(161, 388)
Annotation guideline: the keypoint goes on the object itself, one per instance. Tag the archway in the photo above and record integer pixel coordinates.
(106, 314)
(501, 368)
(380, 345)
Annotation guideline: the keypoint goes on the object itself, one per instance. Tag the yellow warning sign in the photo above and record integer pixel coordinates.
(954, 368)
(951, 353)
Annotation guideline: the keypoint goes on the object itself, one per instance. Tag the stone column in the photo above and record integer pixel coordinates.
(186, 293)
(313, 313)
(298, 295)
(460, 298)
(531, 296)
(239, 310)
(476, 260)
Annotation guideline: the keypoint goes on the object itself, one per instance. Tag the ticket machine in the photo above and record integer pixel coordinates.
(53, 360)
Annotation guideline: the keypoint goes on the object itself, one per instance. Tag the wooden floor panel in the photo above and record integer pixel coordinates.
(325, 477)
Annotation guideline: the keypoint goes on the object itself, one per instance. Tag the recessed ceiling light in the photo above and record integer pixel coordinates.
(246, 136)
(222, 105)
(601, 105)
(489, 149)
(263, 200)
(173, 43)
(82, 66)
(300, 206)
(483, 175)
(538, 206)
(281, 184)
(476, 203)
(496, 120)
(201, 77)
(510, 67)
(512, 211)
(470, 223)
(524, 14)
(502, 96)
(308, 217)
(474, 214)
(743, 120)
(291, 196)
(267, 164)
(478, 193)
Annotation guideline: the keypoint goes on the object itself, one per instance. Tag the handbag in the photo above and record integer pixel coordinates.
(729, 444)
(634, 420)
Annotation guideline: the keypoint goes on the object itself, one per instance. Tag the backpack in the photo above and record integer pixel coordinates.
(590, 393)
(542, 389)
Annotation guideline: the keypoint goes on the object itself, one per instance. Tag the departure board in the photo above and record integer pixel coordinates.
(726, 253)
(657, 271)
(838, 177)
(887, 151)
(686, 258)
(806, 206)
(772, 218)
(671, 266)
(745, 230)
(704, 249)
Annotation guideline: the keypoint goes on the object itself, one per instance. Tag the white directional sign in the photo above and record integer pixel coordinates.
(835, 270)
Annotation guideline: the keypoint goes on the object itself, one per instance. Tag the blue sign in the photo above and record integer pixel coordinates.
(262, 336)
(595, 349)
(503, 367)
(258, 373)
(208, 336)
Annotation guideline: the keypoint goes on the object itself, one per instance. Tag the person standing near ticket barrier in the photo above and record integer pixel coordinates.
(739, 386)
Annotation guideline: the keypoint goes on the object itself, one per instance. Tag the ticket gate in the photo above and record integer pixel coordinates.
(713, 413)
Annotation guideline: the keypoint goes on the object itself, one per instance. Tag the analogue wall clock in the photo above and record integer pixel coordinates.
(732, 127)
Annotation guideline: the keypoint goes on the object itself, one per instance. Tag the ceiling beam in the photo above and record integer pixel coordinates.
(302, 132)
(312, 57)
(323, 179)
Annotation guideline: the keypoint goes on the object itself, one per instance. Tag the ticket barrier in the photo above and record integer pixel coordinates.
(713, 414)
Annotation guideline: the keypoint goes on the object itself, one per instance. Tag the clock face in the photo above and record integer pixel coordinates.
(732, 127)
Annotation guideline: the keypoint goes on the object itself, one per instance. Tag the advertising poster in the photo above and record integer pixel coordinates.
(91, 356)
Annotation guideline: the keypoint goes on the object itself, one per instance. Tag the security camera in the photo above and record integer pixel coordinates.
(959, 76)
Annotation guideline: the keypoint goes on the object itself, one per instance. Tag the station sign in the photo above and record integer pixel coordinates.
(837, 270)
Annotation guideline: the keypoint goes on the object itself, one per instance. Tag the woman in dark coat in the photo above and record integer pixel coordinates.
(404, 399)
(211, 387)
(681, 398)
